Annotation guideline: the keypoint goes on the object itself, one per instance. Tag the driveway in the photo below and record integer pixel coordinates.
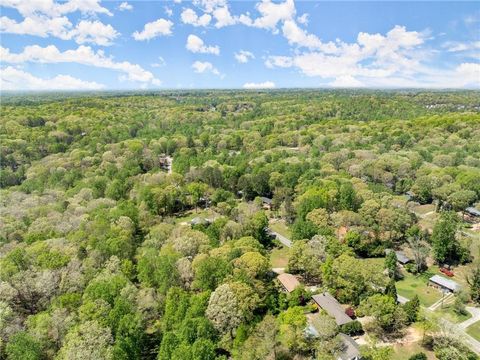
(285, 241)
(475, 317)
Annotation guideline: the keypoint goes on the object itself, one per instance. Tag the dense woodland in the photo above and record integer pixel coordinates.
(98, 259)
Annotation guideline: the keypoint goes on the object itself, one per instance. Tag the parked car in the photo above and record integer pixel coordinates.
(447, 272)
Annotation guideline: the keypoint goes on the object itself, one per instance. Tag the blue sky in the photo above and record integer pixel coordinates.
(90, 44)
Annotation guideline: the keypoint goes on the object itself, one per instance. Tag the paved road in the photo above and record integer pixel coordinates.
(475, 317)
(285, 241)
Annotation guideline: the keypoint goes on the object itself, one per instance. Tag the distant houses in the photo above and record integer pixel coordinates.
(332, 307)
(288, 282)
(444, 284)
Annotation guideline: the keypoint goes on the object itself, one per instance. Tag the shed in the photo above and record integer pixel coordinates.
(445, 284)
(266, 202)
(402, 300)
(472, 211)
(402, 258)
(350, 349)
(199, 221)
(288, 281)
(333, 308)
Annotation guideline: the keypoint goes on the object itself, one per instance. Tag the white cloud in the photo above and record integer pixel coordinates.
(456, 46)
(189, 16)
(160, 63)
(196, 45)
(84, 55)
(262, 85)
(202, 67)
(125, 6)
(303, 19)
(168, 11)
(93, 32)
(273, 13)
(86, 31)
(346, 81)
(160, 27)
(52, 9)
(244, 56)
(12, 78)
(278, 61)
(223, 17)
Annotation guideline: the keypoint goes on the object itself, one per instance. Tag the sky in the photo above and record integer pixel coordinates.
(263, 44)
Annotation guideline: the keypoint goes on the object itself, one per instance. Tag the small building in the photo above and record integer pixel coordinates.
(402, 300)
(199, 221)
(266, 203)
(444, 284)
(401, 257)
(474, 212)
(288, 282)
(332, 307)
(350, 349)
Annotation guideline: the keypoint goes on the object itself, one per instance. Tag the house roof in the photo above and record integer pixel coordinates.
(402, 300)
(473, 211)
(198, 220)
(288, 281)
(333, 308)
(351, 350)
(446, 283)
(402, 258)
(266, 200)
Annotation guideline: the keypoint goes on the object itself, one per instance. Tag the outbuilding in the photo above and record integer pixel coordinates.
(444, 284)
(350, 349)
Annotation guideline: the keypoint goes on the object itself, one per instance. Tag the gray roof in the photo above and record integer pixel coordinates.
(266, 200)
(401, 299)
(351, 350)
(402, 258)
(446, 283)
(198, 220)
(333, 308)
(473, 211)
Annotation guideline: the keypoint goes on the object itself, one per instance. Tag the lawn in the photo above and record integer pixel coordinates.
(279, 257)
(474, 330)
(448, 313)
(189, 215)
(281, 228)
(412, 285)
(404, 351)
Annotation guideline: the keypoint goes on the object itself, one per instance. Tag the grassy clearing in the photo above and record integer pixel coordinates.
(404, 351)
(281, 228)
(412, 285)
(279, 257)
(189, 215)
(423, 209)
(447, 313)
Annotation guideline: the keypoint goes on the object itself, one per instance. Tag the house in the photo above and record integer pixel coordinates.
(266, 203)
(288, 282)
(401, 257)
(332, 307)
(350, 349)
(444, 284)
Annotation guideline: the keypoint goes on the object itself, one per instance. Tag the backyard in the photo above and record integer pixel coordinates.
(412, 285)
(474, 330)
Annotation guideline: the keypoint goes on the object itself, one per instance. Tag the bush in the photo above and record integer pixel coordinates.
(411, 268)
(352, 328)
(418, 356)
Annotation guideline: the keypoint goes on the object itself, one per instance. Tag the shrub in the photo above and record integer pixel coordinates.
(352, 328)
(418, 356)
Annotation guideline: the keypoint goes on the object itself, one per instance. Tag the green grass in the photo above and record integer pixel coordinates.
(279, 257)
(189, 215)
(448, 313)
(412, 285)
(404, 351)
(281, 228)
(474, 330)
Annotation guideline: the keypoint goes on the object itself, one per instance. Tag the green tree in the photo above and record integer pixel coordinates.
(23, 346)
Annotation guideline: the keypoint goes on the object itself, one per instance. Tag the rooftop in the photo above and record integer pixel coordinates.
(288, 281)
(333, 308)
(351, 350)
(446, 283)
(473, 211)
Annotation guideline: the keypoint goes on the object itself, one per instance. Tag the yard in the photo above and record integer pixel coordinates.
(447, 313)
(189, 215)
(474, 330)
(412, 285)
(280, 227)
(404, 351)
(279, 257)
